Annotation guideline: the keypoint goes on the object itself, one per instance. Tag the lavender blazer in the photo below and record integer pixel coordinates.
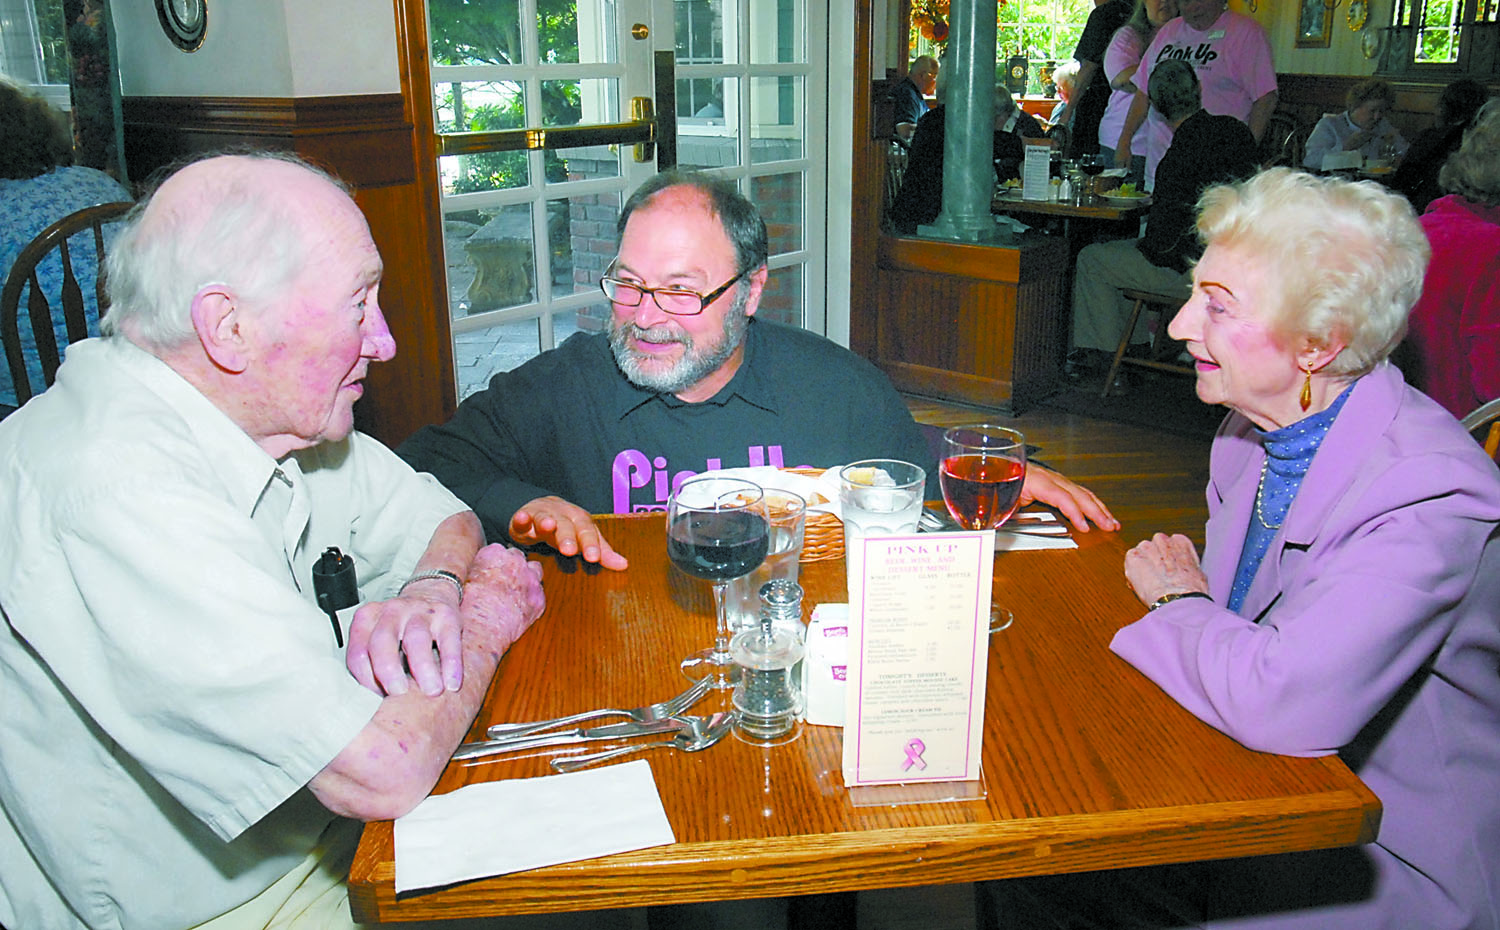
(1372, 629)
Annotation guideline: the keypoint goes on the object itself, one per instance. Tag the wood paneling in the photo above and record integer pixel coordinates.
(978, 324)
(371, 143)
(868, 177)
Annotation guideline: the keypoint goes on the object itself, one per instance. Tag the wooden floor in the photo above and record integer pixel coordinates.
(1152, 480)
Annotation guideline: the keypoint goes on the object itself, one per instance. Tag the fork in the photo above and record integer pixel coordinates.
(703, 732)
(651, 713)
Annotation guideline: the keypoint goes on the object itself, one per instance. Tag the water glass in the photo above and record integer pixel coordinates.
(878, 497)
(786, 512)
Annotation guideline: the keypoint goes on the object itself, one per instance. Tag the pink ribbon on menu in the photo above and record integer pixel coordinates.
(914, 750)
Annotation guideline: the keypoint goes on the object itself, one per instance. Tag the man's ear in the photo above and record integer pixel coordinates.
(757, 284)
(217, 321)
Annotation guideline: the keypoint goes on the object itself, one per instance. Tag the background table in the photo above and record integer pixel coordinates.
(1087, 765)
(1096, 208)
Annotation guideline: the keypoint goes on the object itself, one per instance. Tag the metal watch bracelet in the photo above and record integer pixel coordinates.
(444, 574)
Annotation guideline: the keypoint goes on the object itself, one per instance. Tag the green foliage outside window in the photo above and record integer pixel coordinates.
(1042, 30)
(488, 32)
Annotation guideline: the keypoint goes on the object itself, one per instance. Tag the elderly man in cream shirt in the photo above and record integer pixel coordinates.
(187, 742)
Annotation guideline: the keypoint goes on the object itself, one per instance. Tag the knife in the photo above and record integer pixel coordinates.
(566, 737)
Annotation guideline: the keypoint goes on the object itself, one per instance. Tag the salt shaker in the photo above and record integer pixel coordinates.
(1065, 190)
(768, 695)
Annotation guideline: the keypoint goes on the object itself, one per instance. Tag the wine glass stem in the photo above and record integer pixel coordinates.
(721, 656)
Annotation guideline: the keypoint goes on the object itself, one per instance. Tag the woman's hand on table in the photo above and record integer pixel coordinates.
(1164, 565)
(1076, 502)
(565, 527)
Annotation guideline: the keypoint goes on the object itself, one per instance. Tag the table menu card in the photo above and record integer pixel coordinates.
(1036, 170)
(918, 653)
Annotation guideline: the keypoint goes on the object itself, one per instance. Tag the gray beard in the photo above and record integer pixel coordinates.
(696, 363)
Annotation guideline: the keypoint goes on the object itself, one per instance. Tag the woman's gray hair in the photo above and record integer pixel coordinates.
(1473, 172)
(162, 258)
(1005, 103)
(1175, 90)
(1066, 75)
(1348, 258)
(1362, 92)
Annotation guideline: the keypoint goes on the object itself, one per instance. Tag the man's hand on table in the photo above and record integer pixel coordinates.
(565, 527)
(1164, 565)
(420, 633)
(389, 638)
(1076, 502)
(503, 596)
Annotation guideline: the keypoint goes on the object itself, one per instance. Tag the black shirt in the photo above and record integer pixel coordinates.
(569, 423)
(1090, 102)
(1206, 150)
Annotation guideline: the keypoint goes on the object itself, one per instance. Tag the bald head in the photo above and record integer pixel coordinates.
(248, 222)
(924, 73)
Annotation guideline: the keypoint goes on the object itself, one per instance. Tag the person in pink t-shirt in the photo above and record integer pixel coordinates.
(1232, 57)
(1120, 63)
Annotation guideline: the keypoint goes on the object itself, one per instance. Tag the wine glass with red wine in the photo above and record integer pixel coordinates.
(717, 529)
(981, 474)
(1093, 166)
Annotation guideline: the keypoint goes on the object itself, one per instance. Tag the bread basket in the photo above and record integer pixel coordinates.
(823, 537)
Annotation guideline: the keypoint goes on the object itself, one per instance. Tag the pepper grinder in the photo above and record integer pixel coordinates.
(768, 695)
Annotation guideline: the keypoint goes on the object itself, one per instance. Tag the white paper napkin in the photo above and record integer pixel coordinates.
(821, 492)
(1023, 542)
(525, 823)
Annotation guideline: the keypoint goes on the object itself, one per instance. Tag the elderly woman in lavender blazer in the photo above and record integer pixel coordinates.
(1348, 599)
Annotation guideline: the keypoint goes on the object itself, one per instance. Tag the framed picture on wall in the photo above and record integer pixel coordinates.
(1315, 23)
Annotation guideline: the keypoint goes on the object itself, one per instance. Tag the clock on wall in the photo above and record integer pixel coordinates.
(184, 21)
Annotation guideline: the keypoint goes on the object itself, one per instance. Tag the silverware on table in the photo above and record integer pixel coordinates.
(648, 714)
(517, 742)
(704, 733)
(1032, 523)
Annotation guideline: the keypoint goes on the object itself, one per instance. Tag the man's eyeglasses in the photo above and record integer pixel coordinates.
(678, 301)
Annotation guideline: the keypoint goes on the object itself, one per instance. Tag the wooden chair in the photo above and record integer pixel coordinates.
(1483, 423)
(1163, 348)
(1283, 142)
(40, 313)
(896, 157)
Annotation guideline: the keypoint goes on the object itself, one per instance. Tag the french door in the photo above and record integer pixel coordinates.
(549, 112)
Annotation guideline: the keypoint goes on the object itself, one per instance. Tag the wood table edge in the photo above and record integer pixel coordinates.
(907, 856)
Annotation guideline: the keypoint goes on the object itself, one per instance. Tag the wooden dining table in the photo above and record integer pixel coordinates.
(1086, 764)
(1087, 208)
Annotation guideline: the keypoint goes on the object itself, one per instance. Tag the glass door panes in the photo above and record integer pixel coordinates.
(527, 233)
(751, 106)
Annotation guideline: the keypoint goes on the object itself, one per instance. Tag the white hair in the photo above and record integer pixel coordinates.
(236, 235)
(1349, 258)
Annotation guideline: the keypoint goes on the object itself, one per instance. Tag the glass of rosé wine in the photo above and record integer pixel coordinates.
(981, 473)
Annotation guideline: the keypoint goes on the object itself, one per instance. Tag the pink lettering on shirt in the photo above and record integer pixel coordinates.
(633, 469)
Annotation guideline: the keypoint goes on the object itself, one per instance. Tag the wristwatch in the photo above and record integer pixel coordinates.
(1166, 599)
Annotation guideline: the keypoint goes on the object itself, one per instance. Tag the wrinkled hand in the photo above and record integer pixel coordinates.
(389, 638)
(503, 595)
(565, 527)
(1164, 565)
(1076, 502)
